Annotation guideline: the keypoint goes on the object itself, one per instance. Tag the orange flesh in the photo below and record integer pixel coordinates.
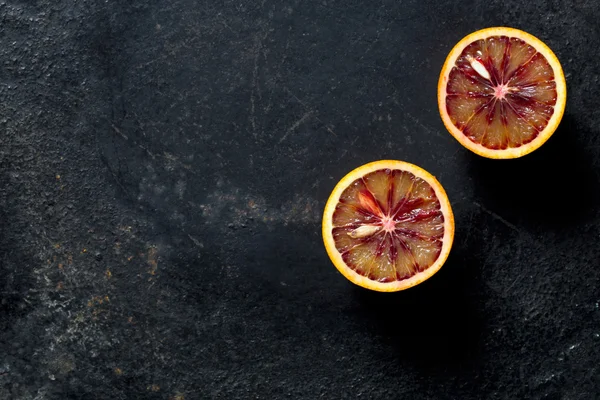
(501, 92)
(388, 225)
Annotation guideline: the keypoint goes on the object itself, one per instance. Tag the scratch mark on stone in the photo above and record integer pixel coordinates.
(309, 109)
(342, 155)
(296, 124)
(252, 117)
(196, 241)
(150, 62)
(498, 217)
(470, 228)
(419, 123)
(370, 46)
(255, 85)
(328, 128)
(517, 279)
(224, 22)
(119, 131)
(422, 125)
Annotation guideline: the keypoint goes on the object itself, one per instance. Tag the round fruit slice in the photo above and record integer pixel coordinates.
(388, 226)
(501, 93)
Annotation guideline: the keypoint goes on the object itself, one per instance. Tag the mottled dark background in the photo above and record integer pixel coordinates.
(164, 166)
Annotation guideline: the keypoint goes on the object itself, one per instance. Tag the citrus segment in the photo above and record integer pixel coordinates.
(388, 225)
(501, 92)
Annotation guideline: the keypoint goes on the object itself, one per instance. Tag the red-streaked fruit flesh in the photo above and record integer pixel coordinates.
(388, 225)
(501, 92)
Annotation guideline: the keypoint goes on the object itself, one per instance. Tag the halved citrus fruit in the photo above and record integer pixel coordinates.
(501, 92)
(388, 226)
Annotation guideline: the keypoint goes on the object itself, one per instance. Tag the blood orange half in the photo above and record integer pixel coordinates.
(501, 92)
(388, 226)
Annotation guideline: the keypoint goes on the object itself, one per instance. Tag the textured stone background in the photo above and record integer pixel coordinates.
(163, 169)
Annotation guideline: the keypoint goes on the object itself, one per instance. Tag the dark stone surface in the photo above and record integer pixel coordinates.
(163, 169)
